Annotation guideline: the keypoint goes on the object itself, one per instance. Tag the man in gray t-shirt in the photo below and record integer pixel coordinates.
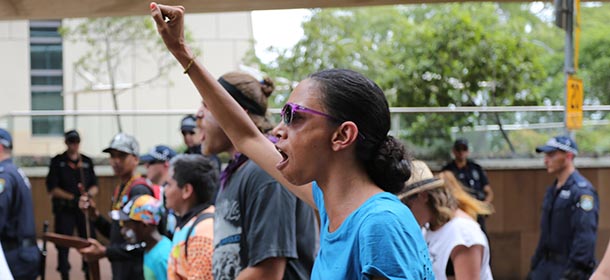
(257, 219)
(261, 230)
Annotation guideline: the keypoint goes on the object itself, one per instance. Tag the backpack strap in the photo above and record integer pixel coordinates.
(200, 218)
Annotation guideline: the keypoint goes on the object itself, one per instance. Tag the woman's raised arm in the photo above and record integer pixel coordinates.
(233, 119)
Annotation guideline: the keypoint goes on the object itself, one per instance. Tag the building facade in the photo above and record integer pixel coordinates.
(39, 73)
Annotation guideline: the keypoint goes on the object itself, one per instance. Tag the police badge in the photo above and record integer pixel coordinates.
(586, 202)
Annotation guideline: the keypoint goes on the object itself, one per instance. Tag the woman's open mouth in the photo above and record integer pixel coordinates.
(280, 165)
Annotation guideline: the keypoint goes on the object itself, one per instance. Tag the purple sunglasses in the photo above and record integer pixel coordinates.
(290, 108)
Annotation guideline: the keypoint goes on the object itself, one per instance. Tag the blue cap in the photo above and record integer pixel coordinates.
(5, 139)
(559, 143)
(158, 153)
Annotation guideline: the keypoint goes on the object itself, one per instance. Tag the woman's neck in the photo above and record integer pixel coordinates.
(345, 189)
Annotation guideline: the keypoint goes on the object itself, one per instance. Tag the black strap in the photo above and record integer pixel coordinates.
(242, 99)
(200, 218)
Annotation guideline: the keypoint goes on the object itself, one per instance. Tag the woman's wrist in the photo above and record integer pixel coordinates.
(183, 55)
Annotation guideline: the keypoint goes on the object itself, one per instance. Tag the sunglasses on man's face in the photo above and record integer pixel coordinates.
(184, 132)
(290, 108)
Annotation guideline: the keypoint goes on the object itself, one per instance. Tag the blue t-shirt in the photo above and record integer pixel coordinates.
(155, 260)
(381, 238)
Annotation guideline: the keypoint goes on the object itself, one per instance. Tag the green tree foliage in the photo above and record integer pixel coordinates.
(429, 55)
(594, 59)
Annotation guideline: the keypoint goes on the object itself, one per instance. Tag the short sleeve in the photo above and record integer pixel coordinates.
(92, 177)
(270, 223)
(388, 250)
(52, 180)
(467, 233)
(484, 180)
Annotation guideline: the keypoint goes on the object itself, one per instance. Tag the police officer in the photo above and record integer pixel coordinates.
(156, 162)
(189, 135)
(17, 228)
(70, 174)
(471, 175)
(569, 217)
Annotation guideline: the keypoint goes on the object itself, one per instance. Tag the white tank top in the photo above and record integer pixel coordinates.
(458, 231)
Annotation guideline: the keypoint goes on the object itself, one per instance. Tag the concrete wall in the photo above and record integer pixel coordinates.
(15, 70)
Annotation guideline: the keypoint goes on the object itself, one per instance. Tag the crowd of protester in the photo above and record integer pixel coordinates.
(325, 194)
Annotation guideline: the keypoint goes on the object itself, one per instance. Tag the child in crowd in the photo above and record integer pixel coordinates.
(141, 217)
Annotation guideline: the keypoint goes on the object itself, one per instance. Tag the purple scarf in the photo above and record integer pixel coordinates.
(234, 164)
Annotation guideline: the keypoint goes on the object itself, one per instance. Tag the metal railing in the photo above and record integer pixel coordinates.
(154, 127)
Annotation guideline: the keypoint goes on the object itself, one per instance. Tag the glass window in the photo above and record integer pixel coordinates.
(46, 62)
(46, 56)
(47, 100)
(50, 125)
(47, 80)
(44, 32)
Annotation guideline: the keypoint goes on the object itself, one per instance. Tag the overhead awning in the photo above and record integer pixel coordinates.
(58, 9)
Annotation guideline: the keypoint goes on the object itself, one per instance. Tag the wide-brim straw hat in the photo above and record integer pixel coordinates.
(421, 180)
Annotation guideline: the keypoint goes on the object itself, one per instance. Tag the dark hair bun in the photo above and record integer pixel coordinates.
(390, 167)
(267, 86)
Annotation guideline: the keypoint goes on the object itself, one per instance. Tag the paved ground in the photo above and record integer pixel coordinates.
(75, 261)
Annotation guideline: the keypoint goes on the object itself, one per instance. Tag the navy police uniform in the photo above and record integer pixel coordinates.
(568, 231)
(472, 177)
(65, 173)
(17, 227)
